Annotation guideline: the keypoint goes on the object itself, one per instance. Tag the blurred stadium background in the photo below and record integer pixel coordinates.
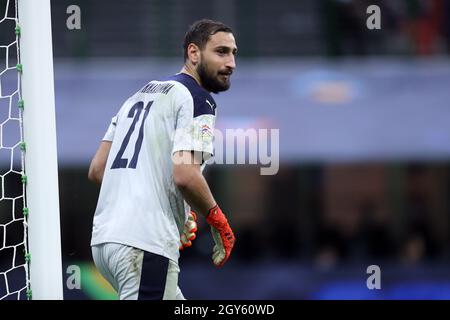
(364, 141)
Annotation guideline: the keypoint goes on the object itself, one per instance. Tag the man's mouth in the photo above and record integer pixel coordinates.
(225, 74)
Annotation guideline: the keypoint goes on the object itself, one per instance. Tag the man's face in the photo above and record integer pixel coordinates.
(217, 62)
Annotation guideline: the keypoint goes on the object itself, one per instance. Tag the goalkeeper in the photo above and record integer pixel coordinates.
(150, 164)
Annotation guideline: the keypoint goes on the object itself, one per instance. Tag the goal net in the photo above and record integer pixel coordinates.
(30, 244)
(14, 280)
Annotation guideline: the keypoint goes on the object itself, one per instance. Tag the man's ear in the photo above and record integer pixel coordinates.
(193, 53)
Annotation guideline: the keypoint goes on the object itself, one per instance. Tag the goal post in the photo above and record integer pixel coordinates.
(39, 133)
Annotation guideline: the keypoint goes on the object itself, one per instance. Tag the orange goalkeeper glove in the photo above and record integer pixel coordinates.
(189, 230)
(222, 234)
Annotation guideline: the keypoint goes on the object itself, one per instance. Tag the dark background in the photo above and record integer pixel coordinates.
(364, 140)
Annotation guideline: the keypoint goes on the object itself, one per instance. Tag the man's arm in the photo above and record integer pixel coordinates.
(195, 190)
(191, 183)
(98, 163)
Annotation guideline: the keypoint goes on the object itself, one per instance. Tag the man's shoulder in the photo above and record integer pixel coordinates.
(202, 100)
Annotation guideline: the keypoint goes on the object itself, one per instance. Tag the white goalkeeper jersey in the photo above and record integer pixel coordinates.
(139, 204)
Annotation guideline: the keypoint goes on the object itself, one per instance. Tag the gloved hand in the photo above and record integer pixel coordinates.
(222, 234)
(189, 230)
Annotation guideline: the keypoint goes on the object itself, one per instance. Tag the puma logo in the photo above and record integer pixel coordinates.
(211, 105)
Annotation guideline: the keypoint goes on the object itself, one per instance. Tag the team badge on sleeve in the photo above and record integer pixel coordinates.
(206, 131)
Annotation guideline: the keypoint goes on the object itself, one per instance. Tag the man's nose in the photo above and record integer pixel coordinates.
(231, 62)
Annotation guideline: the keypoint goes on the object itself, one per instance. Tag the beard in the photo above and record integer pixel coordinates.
(212, 81)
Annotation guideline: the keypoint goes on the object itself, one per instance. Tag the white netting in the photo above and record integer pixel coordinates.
(14, 280)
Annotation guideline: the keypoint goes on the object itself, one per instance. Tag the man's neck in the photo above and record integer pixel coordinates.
(191, 71)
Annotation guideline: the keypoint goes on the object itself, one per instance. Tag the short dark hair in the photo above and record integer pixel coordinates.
(200, 31)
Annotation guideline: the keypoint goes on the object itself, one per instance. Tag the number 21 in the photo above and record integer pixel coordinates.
(134, 113)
